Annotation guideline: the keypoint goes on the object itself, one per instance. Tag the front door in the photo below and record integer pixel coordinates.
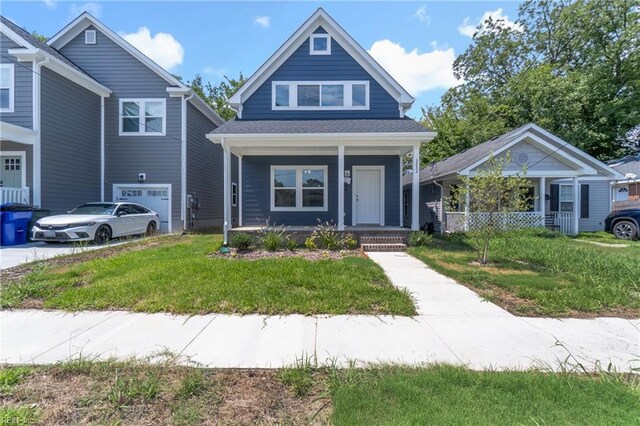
(368, 203)
(11, 171)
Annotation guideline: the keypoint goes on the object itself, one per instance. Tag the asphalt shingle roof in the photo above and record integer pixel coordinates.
(629, 164)
(244, 127)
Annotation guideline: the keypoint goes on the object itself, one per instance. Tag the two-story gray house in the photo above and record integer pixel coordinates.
(320, 134)
(87, 117)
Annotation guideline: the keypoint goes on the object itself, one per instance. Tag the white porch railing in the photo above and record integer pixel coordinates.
(564, 221)
(14, 195)
(461, 221)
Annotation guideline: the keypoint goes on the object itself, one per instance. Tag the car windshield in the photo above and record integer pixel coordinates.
(93, 209)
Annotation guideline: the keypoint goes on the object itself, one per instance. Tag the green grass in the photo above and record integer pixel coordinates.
(10, 377)
(447, 395)
(548, 273)
(19, 415)
(180, 277)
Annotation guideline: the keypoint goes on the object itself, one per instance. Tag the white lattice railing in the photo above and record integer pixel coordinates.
(460, 221)
(564, 221)
(14, 195)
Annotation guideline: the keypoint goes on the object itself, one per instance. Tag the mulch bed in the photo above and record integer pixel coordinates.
(282, 254)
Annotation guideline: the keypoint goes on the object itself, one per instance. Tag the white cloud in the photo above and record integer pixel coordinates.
(416, 72)
(50, 4)
(162, 48)
(468, 27)
(421, 15)
(263, 21)
(93, 8)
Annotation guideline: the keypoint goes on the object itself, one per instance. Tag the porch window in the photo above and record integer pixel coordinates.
(234, 194)
(299, 188)
(142, 116)
(566, 198)
(405, 204)
(6, 87)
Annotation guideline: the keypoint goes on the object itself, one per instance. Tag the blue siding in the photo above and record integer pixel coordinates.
(256, 190)
(22, 114)
(391, 165)
(301, 66)
(429, 193)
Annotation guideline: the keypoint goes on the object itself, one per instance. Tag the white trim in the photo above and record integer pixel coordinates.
(74, 28)
(321, 18)
(354, 208)
(268, 139)
(341, 188)
(90, 37)
(415, 188)
(299, 189)
(37, 114)
(240, 190)
(183, 161)
(226, 178)
(234, 191)
(23, 164)
(102, 149)
(347, 95)
(141, 116)
(401, 194)
(313, 51)
(114, 195)
(17, 39)
(11, 87)
(18, 134)
(576, 205)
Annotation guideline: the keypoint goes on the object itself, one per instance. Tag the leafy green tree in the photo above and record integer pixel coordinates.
(39, 36)
(218, 96)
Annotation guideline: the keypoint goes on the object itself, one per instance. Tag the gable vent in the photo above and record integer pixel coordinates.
(90, 37)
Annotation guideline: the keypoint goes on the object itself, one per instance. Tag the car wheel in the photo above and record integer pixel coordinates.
(625, 230)
(151, 229)
(103, 234)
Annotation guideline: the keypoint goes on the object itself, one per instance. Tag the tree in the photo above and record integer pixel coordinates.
(491, 194)
(39, 36)
(218, 96)
(631, 140)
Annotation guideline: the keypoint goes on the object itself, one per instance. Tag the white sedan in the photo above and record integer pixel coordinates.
(97, 222)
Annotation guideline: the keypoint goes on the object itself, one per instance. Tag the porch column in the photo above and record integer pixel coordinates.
(467, 207)
(226, 191)
(240, 190)
(341, 188)
(415, 189)
(542, 203)
(576, 205)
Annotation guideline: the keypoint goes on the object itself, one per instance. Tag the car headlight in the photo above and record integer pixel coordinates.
(75, 225)
(38, 224)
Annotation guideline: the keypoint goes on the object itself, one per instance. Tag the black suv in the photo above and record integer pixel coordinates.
(624, 224)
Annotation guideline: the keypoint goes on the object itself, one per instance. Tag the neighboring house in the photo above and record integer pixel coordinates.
(87, 117)
(571, 189)
(320, 135)
(625, 193)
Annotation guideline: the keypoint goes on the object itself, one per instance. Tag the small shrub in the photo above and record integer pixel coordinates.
(349, 242)
(418, 239)
(241, 240)
(327, 236)
(274, 237)
(291, 244)
(310, 243)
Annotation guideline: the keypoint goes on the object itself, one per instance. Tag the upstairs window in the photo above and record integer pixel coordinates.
(314, 95)
(90, 37)
(320, 44)
(142, 117)
(6, 87)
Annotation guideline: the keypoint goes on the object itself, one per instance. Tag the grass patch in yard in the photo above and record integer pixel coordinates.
(544, 273)
(447, 395)
(180, 277)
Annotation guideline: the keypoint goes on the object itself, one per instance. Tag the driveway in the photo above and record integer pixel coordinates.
(17, 255)
(453, 325)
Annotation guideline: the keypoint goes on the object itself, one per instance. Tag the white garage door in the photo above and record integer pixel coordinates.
(154, 197)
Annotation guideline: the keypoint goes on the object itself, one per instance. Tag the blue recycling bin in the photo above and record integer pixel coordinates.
(14, 224)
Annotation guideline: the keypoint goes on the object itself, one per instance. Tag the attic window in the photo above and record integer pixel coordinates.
(320, 44)
(90, 37)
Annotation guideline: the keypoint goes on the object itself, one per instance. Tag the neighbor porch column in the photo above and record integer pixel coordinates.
(542, 203)
(341, 188)
(226, 191)
(415, 188)
(576, 205)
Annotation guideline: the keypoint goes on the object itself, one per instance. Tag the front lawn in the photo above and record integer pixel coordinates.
(544, 273)
(180, 276)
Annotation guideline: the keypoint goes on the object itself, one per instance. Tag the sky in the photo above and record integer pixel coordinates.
(416, 42)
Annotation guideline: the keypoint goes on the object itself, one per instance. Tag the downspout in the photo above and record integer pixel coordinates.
(183, 164)
(102, 153)
(442, 215)
(37, 118)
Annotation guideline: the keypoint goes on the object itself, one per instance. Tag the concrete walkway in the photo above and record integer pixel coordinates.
(454, 325)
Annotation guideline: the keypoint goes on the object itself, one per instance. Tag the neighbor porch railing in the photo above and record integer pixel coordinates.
(14, 195)
(563, 221)
(461, 221)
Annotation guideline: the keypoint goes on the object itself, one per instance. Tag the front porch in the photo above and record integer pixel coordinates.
(18, 165)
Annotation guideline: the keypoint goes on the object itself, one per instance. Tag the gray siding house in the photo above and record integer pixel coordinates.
(571, 189)
(320, 134)
(626, 192)
(93, 119)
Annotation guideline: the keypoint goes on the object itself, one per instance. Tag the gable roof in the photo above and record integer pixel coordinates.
(461, 163)
(33, 49)
(360, 55)
(627, 165)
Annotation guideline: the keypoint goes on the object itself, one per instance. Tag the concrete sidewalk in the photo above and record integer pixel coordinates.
(454, 325)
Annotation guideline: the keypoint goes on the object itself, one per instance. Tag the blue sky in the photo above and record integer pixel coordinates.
(415, 41)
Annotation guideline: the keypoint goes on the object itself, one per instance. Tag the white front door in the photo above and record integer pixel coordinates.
(368, 195)
(11, 171)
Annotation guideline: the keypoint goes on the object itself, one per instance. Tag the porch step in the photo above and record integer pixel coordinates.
(384, 247)
(381, 239)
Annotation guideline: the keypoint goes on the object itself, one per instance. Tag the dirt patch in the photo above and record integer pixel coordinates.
(283, 254)
(244, 397)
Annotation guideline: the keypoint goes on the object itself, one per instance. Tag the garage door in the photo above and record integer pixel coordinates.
(156, 198)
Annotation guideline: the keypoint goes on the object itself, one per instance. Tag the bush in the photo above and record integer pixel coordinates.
(418, 239)
(291, 244)
(327, 236)
(241, 240)
(349, 242)
(275, 237)
(310, 243)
